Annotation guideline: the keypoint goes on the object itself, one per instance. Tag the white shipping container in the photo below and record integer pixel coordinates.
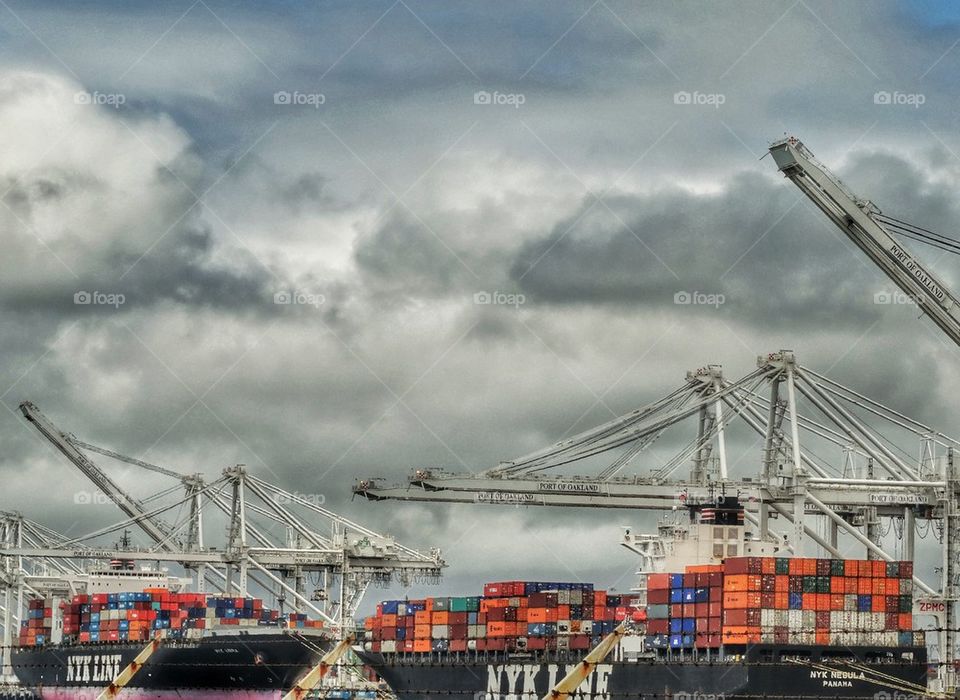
(401, 608)
(781, 618)
(767, 636)
(576, 597)
(388, 646)
(586, 627)
(808, 619)
(440, 632)
(563, 597)
(850, 602)
(795, 619)
(767, 618)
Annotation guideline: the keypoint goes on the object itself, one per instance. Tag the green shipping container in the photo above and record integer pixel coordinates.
(464, 604)
(782, 565)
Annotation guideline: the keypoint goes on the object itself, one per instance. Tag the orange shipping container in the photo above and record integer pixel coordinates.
(736, 582)
(536, 615)
(823, 637)
(389, 620)
(781, 601)
(865, 586)
(438, 617)
(809, 601)
(781, 583)
(850, 585)
(878, 603)
(768, 565)
(879, 586)
(879, 568)
(905, 621)
(838, 584)
(496, 629)
(421, 645)
(422, 631)
(421, 617)
(836, 601)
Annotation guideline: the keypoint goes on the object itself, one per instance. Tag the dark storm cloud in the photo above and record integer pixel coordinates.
(759, 242)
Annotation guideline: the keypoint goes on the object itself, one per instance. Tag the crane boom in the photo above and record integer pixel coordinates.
(858, 219)
(129, 505)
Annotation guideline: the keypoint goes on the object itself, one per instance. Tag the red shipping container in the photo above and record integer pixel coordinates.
(658, 626)
(715, 610)
(676, 610)
(701, 609)
(658, 596)
(655, 581)
(716, 594)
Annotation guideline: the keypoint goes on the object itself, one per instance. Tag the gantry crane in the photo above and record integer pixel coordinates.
(876, 235)
(792, 483)
(272, 545)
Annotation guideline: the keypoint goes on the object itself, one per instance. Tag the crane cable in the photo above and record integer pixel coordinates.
(918, 233)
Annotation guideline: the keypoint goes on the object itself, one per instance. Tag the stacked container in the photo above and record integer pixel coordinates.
(745, 600)
(684, 610)
(510, 616)
(35, 629)
(140, 616)
(817, 601)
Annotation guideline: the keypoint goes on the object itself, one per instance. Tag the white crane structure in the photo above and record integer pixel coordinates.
(831, 460)
(271, 542)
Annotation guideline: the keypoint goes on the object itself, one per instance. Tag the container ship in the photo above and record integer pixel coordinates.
(211, 647)
(738, 621)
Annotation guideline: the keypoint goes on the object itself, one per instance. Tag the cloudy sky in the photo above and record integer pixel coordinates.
(382, 164)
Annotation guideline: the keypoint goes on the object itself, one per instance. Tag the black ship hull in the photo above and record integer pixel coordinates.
(234, 667)
(778, 672)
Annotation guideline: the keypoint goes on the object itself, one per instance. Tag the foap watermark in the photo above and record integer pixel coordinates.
(896, 695)
(298, 297)
(715, 300)
(314, 499)
(899, 99)
(510, 99)
(897, 298)
(697, 695)
(108, 99)
(703, 99)
(91, 498)
(96, 298)
(299, 99)
(497, 298)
